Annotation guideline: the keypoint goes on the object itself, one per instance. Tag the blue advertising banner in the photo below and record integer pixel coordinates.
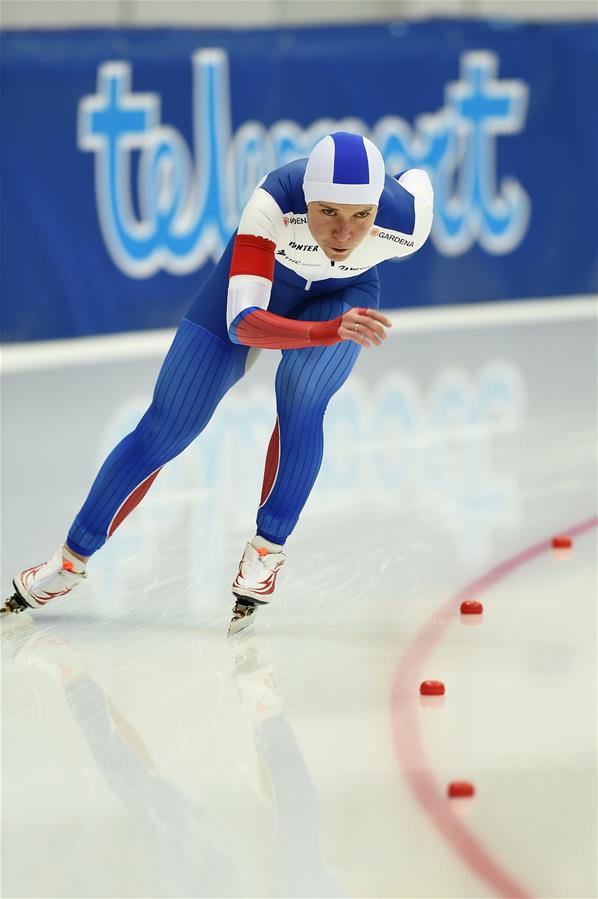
(127, 157)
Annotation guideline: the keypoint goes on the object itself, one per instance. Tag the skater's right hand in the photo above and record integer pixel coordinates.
(364, 326)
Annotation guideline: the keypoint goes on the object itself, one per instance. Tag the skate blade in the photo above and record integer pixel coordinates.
(12, 618)
(243, 612)
(239, 623)
(14, 605)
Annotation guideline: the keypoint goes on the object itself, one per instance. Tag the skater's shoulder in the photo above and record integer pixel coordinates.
(285, 186)
(397, 207)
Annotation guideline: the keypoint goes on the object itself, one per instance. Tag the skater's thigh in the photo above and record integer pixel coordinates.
(307, 378)
(198, 370)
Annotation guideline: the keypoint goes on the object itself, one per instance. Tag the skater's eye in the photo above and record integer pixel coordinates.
(331, 212)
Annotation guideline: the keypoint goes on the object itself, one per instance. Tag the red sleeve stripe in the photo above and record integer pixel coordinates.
(263, 329)
(259, 328)
(253, 256)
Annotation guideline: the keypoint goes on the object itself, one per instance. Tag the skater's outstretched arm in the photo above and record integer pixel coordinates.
(256, 327)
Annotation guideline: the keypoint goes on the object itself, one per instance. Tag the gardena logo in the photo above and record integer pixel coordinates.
(376, 232)
(186, 213)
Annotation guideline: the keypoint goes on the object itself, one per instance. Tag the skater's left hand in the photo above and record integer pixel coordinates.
(364, 326)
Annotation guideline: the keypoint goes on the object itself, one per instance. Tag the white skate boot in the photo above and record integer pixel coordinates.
(255, 582)
(36, 586)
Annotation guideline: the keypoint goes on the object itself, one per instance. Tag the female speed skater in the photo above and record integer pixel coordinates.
(299, 275)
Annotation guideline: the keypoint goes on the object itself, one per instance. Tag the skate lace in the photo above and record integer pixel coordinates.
(256, 569)
(68, 575)
(64, 577)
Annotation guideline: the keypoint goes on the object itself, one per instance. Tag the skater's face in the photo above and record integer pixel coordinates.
(339, 227)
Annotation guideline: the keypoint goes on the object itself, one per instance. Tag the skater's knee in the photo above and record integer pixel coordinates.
(309, 379)
(159, 425)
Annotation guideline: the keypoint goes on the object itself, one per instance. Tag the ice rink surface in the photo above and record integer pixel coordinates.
(145, 755)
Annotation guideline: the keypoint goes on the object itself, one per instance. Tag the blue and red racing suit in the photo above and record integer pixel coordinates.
(273, 288)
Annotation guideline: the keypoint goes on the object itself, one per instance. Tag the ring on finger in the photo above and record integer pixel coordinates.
(356, 327)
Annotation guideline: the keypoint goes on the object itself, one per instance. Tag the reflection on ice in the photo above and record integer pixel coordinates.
(191, 851)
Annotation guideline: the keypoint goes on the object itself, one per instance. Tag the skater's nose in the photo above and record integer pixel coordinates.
(341, 231)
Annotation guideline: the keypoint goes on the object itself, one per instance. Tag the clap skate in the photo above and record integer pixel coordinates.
(243, 611)
(14, 604)
(36, 586)
(255, 582)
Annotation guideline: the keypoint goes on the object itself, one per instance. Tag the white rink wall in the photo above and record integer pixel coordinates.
(239, 13)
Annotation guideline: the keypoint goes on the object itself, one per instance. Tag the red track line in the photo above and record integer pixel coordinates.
(405, 721)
